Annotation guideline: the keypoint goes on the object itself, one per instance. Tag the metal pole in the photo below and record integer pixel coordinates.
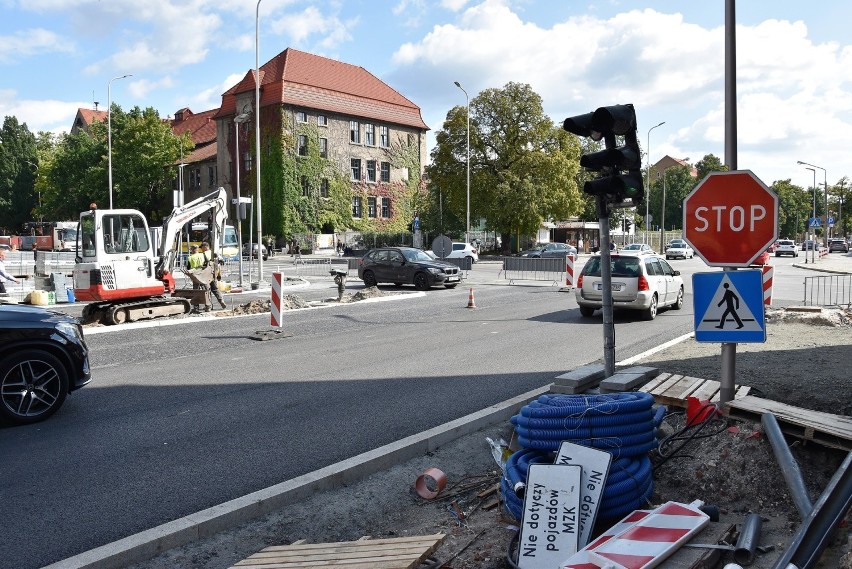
(109, 131)
(606, 292)
(257, 139)
(648, 192)
(239, 203)
(467, 104)
(729, 350)
(663, 217)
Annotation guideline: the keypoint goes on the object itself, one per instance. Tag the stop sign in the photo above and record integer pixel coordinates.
(730, 218)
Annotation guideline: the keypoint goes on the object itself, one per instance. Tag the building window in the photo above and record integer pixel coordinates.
(386, 207)
(323, 147)
(384, 138)
(356, 206)
(371, 207)
(303, 145)
(306, 187)
(301, 116)
(194, 178)
(355, 132)
(324, 188)
(371, 170)
(356, 169)
(369, 134)
(322, 120)
(385, 171)
(211, 176)
(247, 161)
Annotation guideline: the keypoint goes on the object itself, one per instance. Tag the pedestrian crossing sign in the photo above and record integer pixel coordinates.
(729, 306)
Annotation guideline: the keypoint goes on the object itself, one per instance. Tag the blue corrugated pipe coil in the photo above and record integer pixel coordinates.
(623, 424)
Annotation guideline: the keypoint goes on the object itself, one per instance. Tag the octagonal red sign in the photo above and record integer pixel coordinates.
(730, 218)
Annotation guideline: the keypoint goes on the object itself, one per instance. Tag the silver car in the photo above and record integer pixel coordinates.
(644, 283)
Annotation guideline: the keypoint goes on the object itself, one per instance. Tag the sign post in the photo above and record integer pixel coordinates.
(730, 218)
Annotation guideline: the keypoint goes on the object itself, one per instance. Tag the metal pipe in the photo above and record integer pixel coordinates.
(748, 541)
(828, 511)
(789, 466)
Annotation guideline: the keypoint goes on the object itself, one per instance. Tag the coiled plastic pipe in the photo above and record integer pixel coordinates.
(622, 424)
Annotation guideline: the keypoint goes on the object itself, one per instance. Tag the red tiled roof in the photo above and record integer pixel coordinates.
(201, 153)
(89, 116)
(201, 127)
(302, 79)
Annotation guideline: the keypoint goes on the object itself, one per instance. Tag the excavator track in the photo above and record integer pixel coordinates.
(111, 313)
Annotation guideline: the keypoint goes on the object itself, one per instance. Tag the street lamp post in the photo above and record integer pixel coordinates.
(648, 192)
(257, 139)
(109, 131)
(663, 216)
(825, 186)
(238, 120)
(467, 104)
(813, 241)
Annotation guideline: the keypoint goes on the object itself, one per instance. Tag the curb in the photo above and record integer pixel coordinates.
(150, 543)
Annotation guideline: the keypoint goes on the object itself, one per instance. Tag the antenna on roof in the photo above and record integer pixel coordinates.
(93, 99)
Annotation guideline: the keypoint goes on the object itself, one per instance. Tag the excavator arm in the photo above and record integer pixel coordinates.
(180, 216)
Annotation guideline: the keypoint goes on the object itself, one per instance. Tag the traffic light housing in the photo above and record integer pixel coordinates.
(620, 183)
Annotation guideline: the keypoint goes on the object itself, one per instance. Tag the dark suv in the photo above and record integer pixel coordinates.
(838, 245)
(43, 358)
(406, 265)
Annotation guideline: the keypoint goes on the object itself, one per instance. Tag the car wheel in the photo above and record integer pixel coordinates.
(421, 282)
(369, 279)
(33, 386)
(679, 301)
(651, 312)
(668, 258)
(587, 312)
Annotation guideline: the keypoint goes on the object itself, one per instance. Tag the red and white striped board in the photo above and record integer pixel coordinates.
(643, 539)
(767, 284)
(569, 271)
(275, 309)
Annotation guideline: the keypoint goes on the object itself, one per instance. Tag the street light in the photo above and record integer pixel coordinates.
(257, 139)
(109, 130)
(238, 120)
(648, 193)
(467, 104)
(813, 243)
(825, 184)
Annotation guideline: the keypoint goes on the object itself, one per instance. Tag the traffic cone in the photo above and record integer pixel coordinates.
(470, 302)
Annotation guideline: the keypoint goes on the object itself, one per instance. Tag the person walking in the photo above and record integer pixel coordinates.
(4, 276)
(732, 304)
(211, 259)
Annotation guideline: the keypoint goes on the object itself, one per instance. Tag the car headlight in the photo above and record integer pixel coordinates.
(435, 270)
(69, 330)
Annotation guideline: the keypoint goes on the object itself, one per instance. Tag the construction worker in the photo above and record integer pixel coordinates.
(195, 262)
(211, 259)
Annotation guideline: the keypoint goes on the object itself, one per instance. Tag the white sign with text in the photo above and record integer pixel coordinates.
(595, 465)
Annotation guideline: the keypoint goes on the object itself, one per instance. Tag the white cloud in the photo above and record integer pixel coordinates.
(141, 88)
(45, 115)
(302, 27)
(453, 5)
(25, 43)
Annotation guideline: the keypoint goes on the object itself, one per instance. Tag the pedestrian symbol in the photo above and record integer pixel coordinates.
(729, 306)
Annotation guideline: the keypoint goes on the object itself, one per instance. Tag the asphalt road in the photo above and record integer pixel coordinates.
(179, 418)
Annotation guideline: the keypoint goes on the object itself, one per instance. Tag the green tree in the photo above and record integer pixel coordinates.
(710, 163)
(523, 168)
(678, 181)
(793, 208)
(18, 170)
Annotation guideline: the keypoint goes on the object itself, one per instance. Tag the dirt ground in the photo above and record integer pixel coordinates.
(805, 363)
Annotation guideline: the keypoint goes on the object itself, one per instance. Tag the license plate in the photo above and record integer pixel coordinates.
(614, 286)
(452, 279)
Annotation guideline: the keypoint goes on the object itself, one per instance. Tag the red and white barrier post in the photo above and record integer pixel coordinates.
(275, 310)
(767, 284)
(569, 271)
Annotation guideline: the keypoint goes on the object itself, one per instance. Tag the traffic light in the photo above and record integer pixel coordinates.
(620, 184)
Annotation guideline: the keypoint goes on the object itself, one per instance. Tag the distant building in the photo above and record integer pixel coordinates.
(667, 162)
(85, 117)
(200, 169)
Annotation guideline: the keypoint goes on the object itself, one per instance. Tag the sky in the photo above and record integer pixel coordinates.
(666, 57)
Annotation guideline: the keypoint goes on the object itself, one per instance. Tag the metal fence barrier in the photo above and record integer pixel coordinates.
(831, 290)
(533, 269)
(317, 267)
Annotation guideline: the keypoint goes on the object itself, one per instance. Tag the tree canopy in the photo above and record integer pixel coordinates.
(19, 167)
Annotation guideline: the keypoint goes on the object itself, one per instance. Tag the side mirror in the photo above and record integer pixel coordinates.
(676, 273)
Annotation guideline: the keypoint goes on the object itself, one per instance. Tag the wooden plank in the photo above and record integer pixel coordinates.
(661, 388)
(706, 391)
(648, 387)
(831, 430)
(673, 395)
(392, 553)
(690, 387)
(716, 398)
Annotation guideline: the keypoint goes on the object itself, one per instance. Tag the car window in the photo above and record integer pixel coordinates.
(652, 266)
(395, 257)
(458, 246)
(593, 267)
(381, 255)
(415, 255)
(667, 269)
(625, 267)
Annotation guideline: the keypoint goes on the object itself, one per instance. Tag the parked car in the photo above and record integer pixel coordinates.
(43, 358)
(462, 250)
(808, 245)
(637, 249)
(406, 265)
(645, 283)
(838, 245)
(786, 247)
(680, 249)
(549, 250)
(253, 249)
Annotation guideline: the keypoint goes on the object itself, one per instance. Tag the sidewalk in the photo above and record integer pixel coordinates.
(839, 263)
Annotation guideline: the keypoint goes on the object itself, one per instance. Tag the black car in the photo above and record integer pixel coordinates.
(406, 265)
(43, 358)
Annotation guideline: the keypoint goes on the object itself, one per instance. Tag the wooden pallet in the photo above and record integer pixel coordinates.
(394, 553)
(674, 389)
(834, 431)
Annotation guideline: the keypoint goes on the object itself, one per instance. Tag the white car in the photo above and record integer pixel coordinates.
(462, 250)
(643, 283)
(679, 249)
(637, 249)
(786, 247)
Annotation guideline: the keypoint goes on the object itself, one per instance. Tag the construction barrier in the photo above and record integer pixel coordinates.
(275, 307)
(533, 269)
(569, 271)
(768, 272)
(830, 290)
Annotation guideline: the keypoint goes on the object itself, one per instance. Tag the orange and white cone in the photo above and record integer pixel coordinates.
(470, 302)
